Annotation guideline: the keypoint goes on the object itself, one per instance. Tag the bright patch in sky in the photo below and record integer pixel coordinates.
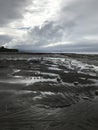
(58, 44)
(40, 11)
(49, 25)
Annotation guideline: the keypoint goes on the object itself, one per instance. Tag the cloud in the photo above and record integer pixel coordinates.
(83, 47)
(4, 39)
(38, 37)
(70, 27)
(11, 10)
(82, 15)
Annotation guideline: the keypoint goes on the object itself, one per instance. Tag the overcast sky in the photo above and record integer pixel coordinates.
(49, 25)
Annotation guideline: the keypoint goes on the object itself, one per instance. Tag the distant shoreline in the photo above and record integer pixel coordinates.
(69, 53)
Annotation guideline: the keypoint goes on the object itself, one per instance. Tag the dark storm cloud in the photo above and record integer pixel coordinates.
(5, 39)
(84, 13)
(12, 10)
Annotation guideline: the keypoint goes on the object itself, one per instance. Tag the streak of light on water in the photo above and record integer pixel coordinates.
(27, 81)
(19, 92)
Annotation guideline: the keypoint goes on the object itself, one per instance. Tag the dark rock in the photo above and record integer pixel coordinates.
(96, 92)
(58, 79)
(76, 83)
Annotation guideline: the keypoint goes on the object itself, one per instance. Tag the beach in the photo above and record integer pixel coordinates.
(48, 92)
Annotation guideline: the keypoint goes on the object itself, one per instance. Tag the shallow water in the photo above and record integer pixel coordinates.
(47, 93)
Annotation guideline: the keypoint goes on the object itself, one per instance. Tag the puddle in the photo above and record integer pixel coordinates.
(50, 74)
(16, 92)
(66, 71)
(16, 70)
(43, 94)
(47, 93)
(27, 81)
(18, 76)
(56, 69)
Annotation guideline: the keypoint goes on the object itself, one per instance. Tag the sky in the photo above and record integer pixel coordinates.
(49, 25)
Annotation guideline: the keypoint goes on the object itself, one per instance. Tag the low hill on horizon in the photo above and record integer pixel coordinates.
(3, 49)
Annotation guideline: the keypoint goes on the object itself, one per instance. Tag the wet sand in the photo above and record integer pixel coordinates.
(48, 92)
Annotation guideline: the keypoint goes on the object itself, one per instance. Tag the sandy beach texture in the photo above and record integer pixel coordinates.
(48, 92)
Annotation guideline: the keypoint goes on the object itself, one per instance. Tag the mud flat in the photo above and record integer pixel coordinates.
(48, 92)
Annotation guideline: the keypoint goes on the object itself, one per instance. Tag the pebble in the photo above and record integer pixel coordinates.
(96, 92)
(58, 79)
(76, 83)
